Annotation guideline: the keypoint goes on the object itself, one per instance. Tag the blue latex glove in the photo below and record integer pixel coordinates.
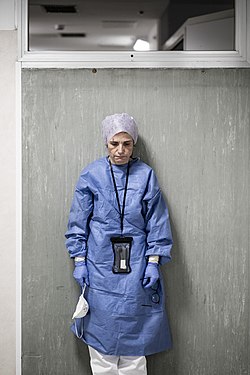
(151, 275)
(81, 273)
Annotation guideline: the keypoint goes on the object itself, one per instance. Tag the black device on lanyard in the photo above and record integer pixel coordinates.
(121, 245)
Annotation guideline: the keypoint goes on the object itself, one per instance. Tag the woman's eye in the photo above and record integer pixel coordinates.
(116, 144)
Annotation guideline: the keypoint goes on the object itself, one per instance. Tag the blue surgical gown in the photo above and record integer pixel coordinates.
(122, 318)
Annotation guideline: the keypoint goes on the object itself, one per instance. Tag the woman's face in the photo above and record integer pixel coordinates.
(120, 148)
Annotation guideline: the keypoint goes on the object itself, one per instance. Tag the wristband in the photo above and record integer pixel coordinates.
(153, 259)
(79, 259)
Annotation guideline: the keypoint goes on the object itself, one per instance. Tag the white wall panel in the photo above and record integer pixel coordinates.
(8, 47)
(8, 14)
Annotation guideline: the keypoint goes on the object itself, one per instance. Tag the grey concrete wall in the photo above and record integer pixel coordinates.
(194, 127)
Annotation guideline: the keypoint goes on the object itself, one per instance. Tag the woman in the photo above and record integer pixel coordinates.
(118, 235)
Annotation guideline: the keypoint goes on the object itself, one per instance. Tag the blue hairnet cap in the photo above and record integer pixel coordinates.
(119, 122)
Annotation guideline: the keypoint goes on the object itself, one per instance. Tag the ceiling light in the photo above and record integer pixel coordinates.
(59, 27)
(108, 24)
(60, 8)
(141, 45)
(73, 35)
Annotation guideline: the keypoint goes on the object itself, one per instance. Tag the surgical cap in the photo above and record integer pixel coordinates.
(119, 122)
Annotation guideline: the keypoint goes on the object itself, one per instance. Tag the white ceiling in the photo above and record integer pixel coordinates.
(108, 25)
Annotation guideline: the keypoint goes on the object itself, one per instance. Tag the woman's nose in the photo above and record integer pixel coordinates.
(120, 148)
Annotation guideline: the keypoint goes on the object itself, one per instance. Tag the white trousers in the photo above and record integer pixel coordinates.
(115, 365)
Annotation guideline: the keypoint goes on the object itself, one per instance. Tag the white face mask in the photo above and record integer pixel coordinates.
(82, 306)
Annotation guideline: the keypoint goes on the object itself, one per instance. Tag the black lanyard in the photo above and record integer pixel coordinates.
(121, 211)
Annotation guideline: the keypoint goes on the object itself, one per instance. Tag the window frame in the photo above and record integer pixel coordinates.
(239, 58)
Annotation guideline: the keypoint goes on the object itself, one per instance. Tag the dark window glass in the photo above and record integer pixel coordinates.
(117, 25)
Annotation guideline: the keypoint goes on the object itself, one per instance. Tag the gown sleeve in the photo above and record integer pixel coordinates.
(159, 236)
(78, 224)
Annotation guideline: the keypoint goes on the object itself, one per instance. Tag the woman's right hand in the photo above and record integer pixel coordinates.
(151, 275)
(81, 273)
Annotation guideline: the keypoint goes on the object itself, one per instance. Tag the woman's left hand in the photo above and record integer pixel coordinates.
(151, 275)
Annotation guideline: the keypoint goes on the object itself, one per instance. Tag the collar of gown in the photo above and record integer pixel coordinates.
(132, 161)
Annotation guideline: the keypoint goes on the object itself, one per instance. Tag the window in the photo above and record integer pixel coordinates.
(75, 34)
